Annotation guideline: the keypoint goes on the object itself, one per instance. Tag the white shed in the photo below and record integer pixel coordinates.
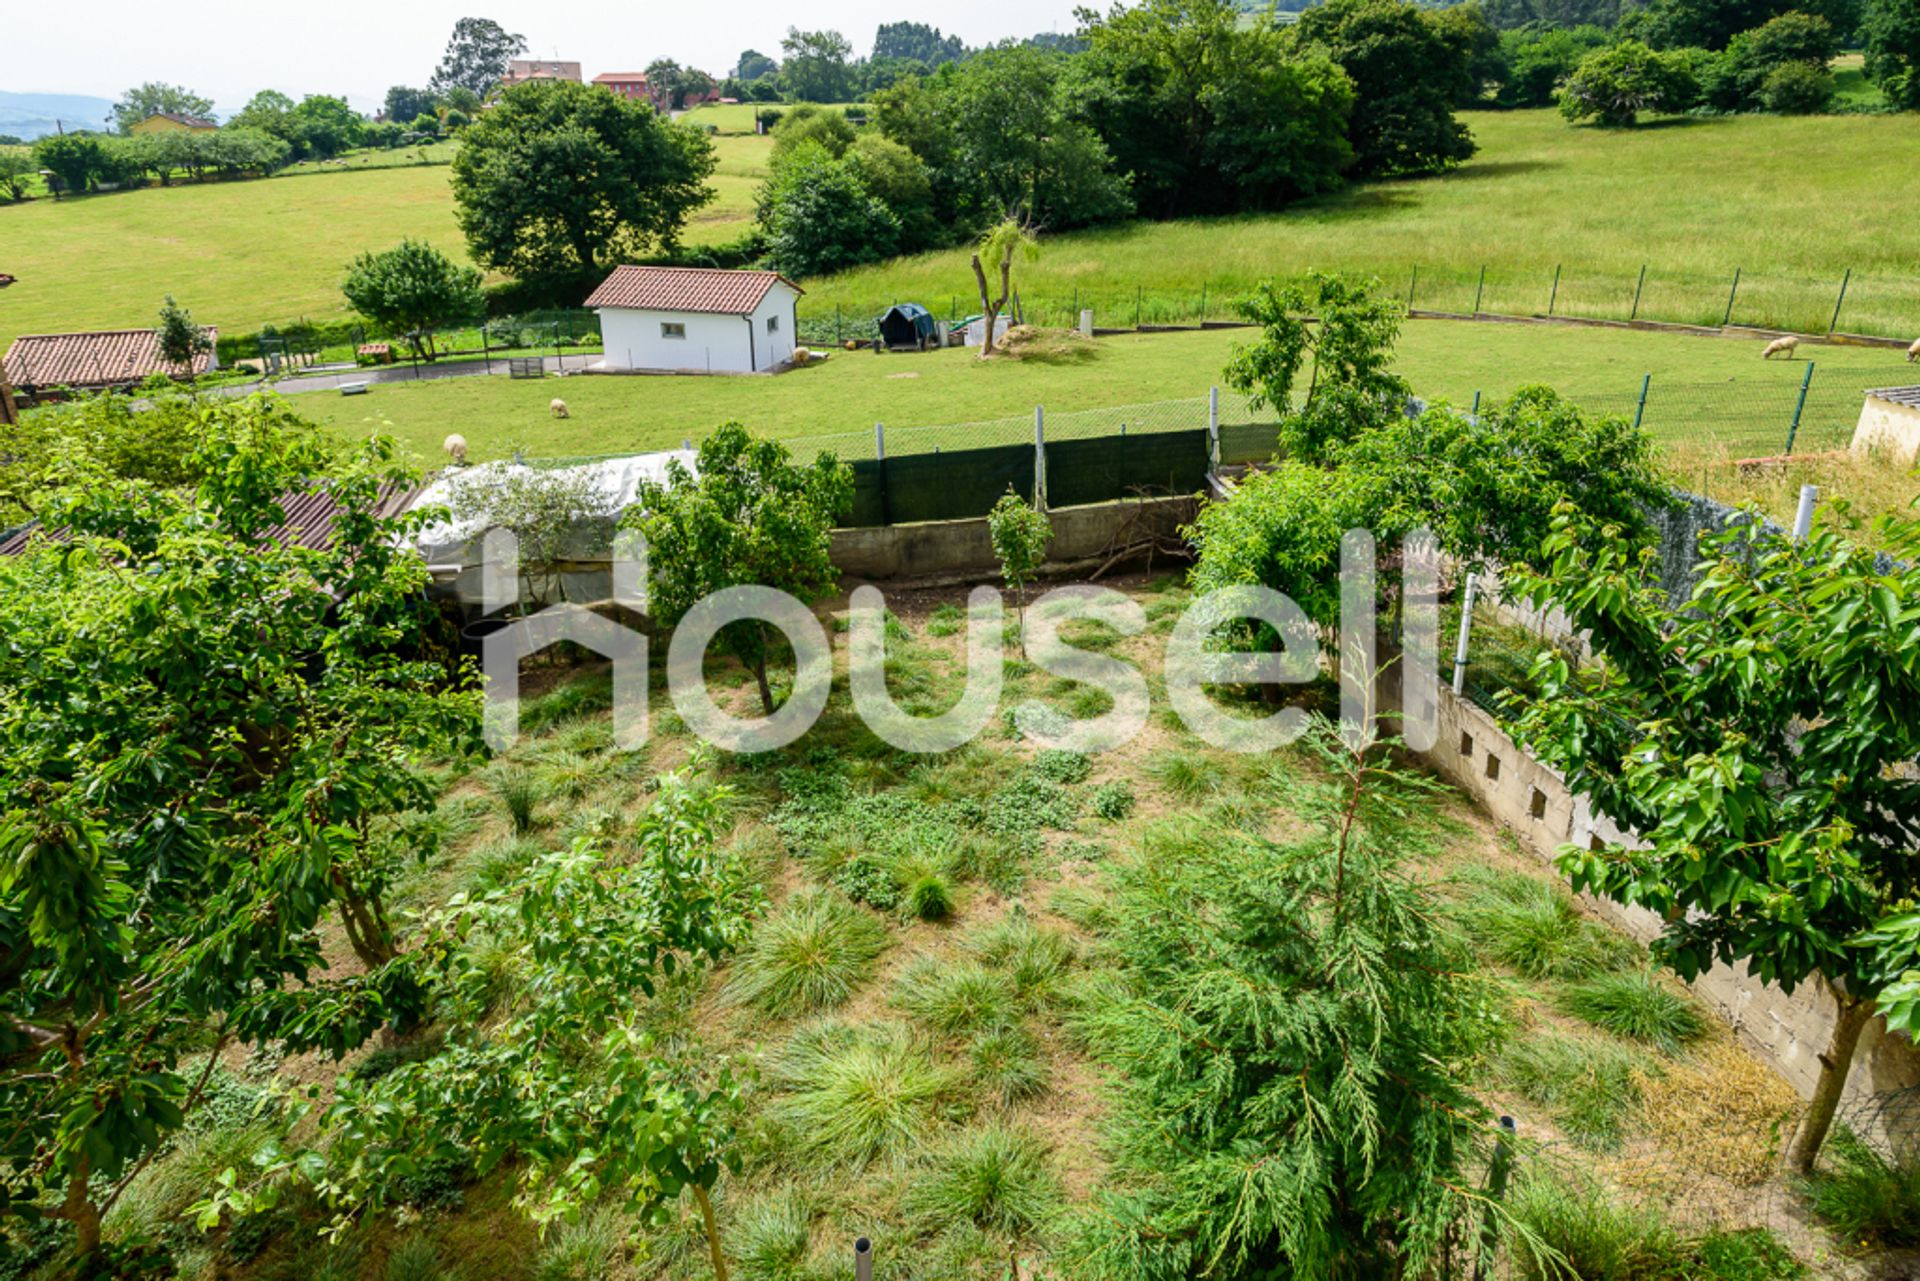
(696, 319)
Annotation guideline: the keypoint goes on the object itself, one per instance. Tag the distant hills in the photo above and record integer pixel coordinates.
(32, 115)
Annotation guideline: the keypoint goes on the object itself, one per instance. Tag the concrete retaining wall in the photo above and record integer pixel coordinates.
(939, 549)
(1788, 1032)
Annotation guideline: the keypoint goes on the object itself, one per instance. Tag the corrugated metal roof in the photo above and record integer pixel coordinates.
(311, 515)
(700, 289)
(1908, 396)
(104, 359)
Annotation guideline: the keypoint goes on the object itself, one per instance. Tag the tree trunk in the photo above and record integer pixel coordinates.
(370, 940)
(80, 1211)
(1835, 1063)
(713, 1233)
(989, 308)
(766, 690)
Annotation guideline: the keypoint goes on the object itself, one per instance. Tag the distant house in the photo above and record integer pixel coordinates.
(171, 122)
(628, 84)
(696, 319)
(40, 363)
(521, 70)
(1890, 425)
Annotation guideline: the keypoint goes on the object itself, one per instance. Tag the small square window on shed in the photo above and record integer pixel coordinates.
(1538, 807)
(773, 324)
(672, 329)
(1466, 745)
(1493, 765)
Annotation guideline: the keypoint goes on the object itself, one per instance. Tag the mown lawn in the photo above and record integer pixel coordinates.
(1693, 377)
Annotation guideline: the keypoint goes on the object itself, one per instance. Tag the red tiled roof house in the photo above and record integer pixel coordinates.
(696, 319)
(37, 364)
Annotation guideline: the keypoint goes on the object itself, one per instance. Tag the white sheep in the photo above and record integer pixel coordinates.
(559, 408)
(1913, 352)
(1781, 346)
(456, 447)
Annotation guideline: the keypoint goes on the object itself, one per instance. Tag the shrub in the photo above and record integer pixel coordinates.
(993, 1177)
(1005, 1064)
(1864, 1196)
(1113, 801)
(1638, 1006)
(1587, 1084)
(854, 1094)
(1797, 89)
(810, 955)
(1616, 83)
(954, 999)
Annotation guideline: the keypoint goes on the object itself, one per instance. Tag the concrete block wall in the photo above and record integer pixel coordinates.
(1787, 1031)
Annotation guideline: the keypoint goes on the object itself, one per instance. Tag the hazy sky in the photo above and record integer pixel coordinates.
(227, 50)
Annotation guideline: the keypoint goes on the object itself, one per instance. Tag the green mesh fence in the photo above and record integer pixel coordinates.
(1101, 469)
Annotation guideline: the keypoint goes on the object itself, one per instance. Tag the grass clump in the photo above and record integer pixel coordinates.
(946, 620)
(417, 1258)
(1638, 1006)
(769, 1239)
(1005, 1064)
(522, 793)
(1113, 801)
(992, 1177)
(808, 956)
(1587, 1235)
(1184, 775)
(1534, 929)
(928, 896)
(1865, 1197)
(1590, 1086)
(1031, 957)
(582, 1251)
(955, 999)
(854, 1094)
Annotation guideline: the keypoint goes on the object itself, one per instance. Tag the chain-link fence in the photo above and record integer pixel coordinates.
(308, 344)
(1854, 303)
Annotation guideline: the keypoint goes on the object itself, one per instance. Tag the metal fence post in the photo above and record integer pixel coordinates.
(1475, 411)
(1039, 458)
(1136, 306)
(1835, 322)
(1203, 302)
(1635, 313)
(1731, 292)
(1213, 429)
(1553, 294)
(880, 454)
(1466, 630)
(1799, 407)
(1640, 410)
(1480, 289)
(1413, 283)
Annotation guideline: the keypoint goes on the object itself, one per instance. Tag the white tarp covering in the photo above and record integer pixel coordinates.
(456, 541)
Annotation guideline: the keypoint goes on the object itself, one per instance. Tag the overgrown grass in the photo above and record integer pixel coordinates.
(1005, 1064)
(954, 999)
(1638, 1006)
(809, 955)
(1867, 1199)
(851, 1094)
(1587, 1084)
(1573, 1230)
(769, 1237)
(583, 1251)
(993, 1177)
(1533, 928)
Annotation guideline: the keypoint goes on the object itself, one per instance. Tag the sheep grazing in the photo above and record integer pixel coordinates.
(1913, 352)
(456, 447)
(559, 408)
(1781, 347)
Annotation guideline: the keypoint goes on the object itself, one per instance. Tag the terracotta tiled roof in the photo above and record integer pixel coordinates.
(311, 515)
(192, 122)
(91, 360)
(709, 289)
(620, 77)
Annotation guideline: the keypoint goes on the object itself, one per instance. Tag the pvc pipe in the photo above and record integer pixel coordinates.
(1803, 520)
(862, 1260)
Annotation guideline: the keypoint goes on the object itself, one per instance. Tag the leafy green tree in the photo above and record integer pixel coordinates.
(815, 67)
(16, 169)
(154, 98)
(1020, 533)
(1758, 739)
(754, 65)
(1713, 24)
(1797, 89)
(1539, 59)
(1206, 114)
(477, 57)
(1298, 1027)
(998, 247)
(1466, 26)
(76, 160)
(819, 215)
(1350, 387)
(1614, 85)
(1891, 32)
(207, 749)
(898, 180)
(1737, 78)
(556, 181)
(182, 342)
(270, 111)
(1409, 69)
(326, 126)
(749, 516)
(806, 123)
(403, 103)
(413, 289)
(917, 41)
(566, 1086)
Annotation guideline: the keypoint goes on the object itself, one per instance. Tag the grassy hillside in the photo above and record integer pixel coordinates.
(1792, 201)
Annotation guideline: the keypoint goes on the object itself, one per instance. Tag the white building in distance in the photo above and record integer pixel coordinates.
(696, 320)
